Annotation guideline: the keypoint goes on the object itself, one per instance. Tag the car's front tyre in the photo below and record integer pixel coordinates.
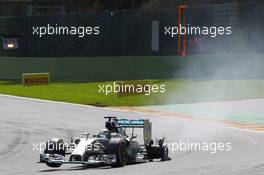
(118, 148)
(55, 147)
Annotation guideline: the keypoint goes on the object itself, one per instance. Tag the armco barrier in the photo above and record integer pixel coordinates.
(123, 68)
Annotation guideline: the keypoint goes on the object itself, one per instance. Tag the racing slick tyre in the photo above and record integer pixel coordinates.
(54, 165)
(119, 148)
(54, 146)
(165, 154)
(157, 151)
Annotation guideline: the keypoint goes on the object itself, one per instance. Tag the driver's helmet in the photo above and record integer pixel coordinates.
(104, 133)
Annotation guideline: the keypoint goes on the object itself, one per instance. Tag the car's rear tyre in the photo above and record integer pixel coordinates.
(165, 154)
(157, 152)
(55, 146)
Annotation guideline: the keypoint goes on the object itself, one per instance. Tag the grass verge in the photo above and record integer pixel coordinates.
(177, 91)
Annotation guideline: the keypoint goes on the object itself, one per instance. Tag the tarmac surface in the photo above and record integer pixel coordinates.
(24, 122)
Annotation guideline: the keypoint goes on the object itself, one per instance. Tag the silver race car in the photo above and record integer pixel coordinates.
(112, 146)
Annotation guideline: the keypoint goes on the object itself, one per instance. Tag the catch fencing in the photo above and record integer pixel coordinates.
(139, 32)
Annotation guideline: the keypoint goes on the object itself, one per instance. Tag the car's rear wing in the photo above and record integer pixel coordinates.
(138, 123)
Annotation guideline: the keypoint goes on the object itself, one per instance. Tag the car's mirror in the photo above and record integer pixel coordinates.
(86, 134)
(134, 136)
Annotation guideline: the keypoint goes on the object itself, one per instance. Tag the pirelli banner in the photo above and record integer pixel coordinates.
(29, 79)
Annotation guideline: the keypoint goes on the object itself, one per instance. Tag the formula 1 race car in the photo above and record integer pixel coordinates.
(112, 146)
